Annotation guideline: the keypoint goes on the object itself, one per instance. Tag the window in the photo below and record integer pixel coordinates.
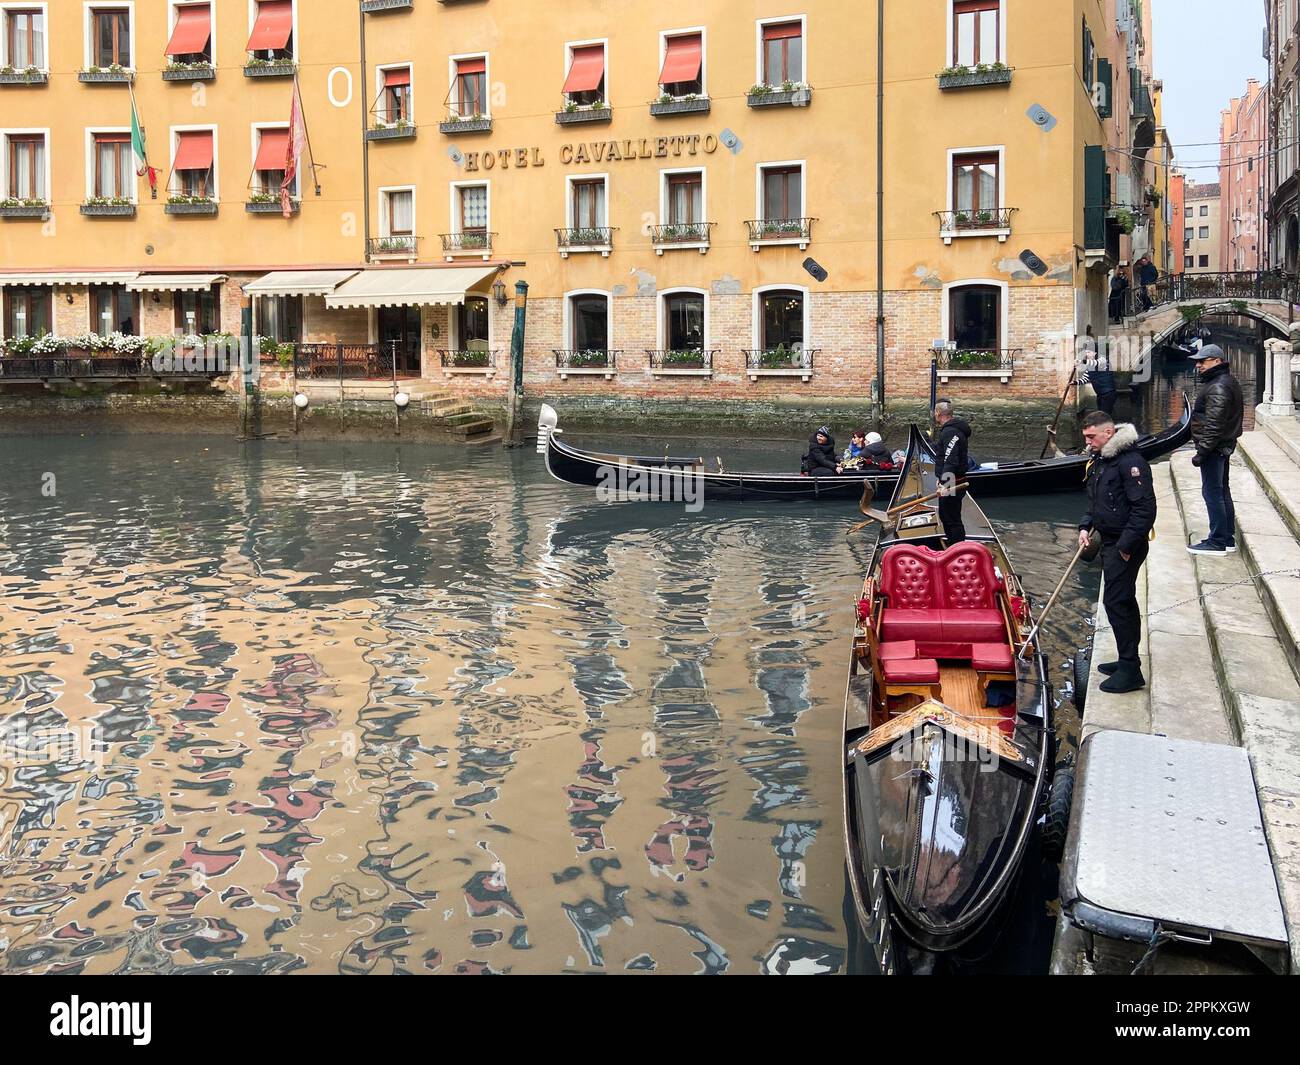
(279, 317)
(975, 317)
(782, 193)
(110, 37)
(469, 87)
(28, 311)
(684, 198)
(113, 310)
(1187, 213)
(191, 39)
(684, 321)
(588, 203)
(193, 166)
(682, 73)
(1089, 57)
(782, 320)
(782, 57)
(25, 172)
(1205, 210)
(272, 36)
(471, 208)
(399, 212)
(1189, 261)
(114, 169)
(975, 183)
(585, 83)
(270, 154)
(589, 322)
(1189, 232)
(198, 313)
(976, 32)
(472, 324)
(24, 38)
(1204, 233)
(1205, 260)
(395, 95)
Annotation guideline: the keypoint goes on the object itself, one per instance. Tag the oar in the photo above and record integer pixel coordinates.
(1051, 429)
(864, 505)
(1052, 601)
(926, 499)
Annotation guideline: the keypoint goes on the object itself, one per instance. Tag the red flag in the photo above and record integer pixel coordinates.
(293, 150)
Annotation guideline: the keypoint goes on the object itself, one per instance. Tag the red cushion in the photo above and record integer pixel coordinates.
(972, 626)
(902, 649)
(908, 577)
(911, 671)
(900, 625)
(966, 577)
(992, 658)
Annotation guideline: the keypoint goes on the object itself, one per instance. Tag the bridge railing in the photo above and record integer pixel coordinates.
(1207, 288)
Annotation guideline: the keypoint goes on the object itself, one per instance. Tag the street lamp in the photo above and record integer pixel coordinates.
(499, 292)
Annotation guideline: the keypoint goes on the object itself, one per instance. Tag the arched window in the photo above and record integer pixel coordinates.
(975, 317)
(782, 319)
(589, 322)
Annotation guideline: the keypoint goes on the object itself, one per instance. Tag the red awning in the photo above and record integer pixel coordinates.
(471, 66)
(193, 28)
(782, 30)
(394, 78)
(586, 70)
(682, 59)
(274, 25)
(273, 150)
(194, 151)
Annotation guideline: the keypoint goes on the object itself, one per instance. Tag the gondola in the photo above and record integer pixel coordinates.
(678, 478)
(947, 732)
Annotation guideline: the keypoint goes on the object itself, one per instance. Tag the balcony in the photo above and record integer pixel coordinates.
(377, 7)
(681, 362)
(788, 94)
(456, 245)
(26, 76)
(778, 231)
(270, 68)
(190, 205)
(590, 362)
(114, 75)
(457, 124)
(402, 129)
(681, 236)
(573, 113)
(977, 362)
(269, 203)
(103, 207)
(992, 223)
(574, 241)
(680, 105)
(781, 361)
(404, 246)
(204, 71)
(474, 361)
(974, 77)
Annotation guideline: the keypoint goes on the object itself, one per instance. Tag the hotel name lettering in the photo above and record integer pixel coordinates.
(586, 152)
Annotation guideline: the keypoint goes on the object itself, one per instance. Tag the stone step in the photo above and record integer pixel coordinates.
(1283, 432)
(475, 426)
(1277, 473)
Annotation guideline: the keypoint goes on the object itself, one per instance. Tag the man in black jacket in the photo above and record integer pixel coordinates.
(1216, 426)
(1122, 511)
(951, 468)
(821, 460)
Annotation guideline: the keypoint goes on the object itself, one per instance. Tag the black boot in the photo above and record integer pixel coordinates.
(1108, 668)
(1127, 678)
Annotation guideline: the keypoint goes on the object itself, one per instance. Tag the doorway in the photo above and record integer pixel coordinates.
(401, 324)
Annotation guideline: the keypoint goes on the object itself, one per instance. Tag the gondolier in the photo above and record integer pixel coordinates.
(951, 467)
(1122, 511)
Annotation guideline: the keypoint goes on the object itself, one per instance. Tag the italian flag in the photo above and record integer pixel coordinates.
(141, 150)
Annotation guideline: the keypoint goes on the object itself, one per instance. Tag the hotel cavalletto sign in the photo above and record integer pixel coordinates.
(586, 152)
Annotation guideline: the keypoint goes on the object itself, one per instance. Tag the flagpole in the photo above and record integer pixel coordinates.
(146, 169)
(302, 115)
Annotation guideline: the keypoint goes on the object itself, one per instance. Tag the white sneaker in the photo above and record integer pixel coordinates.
(1206, 548)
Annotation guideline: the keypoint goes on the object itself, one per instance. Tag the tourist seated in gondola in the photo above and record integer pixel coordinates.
(821, 459)
(877, 455)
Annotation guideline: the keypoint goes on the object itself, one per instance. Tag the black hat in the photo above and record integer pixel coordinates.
(824, 430)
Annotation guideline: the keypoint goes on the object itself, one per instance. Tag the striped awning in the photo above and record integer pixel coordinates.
(420, 287)
(174, 282)
(298, 283)
(69, 278)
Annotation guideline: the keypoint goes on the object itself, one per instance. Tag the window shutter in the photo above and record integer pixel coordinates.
(1104, 88)
(1096, 195)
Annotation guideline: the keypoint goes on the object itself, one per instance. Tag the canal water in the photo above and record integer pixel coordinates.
(393, 708)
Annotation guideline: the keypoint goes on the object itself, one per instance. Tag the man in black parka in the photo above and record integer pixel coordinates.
(821, 460)
(951, 467)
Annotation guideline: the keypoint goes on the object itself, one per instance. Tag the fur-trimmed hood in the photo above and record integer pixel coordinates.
(1126, 436)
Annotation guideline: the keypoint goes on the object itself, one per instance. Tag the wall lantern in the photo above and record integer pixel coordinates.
(499, 292)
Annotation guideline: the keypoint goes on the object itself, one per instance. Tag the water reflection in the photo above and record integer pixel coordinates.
(349, 708)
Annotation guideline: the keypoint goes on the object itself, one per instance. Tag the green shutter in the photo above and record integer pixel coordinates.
(1096, 195)
(1105, 88)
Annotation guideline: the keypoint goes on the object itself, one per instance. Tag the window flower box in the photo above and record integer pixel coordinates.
(589, 239)
(24, 209)
(978, 362)
(374, 7)
(680, 105)
(597, 363)
(688, 362)
(265, 204)
(772, 231)
(473, 362)
(466, 124)
(399, 130)
(694, 235)
(100, 207)
(787, 94)
(267, 68)
(574, 114)
(106, 75)
(455, 244)
(781, 361)
(995, 222)
(26, 76)
(973, 77)
(189, 72)
(190, 205)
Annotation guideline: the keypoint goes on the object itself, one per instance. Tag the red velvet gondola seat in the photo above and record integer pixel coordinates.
(943, 602)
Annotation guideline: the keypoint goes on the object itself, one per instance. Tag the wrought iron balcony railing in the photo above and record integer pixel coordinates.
(681, 359)
(962, 223)
(782, 230)
(404, 245)
(978, 360)
(468, 358)
(585, 359)
(690, 233)
(467, 243)
(585, 238)
(780, 358)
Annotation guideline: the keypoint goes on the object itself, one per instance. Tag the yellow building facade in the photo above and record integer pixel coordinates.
(658, 174)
